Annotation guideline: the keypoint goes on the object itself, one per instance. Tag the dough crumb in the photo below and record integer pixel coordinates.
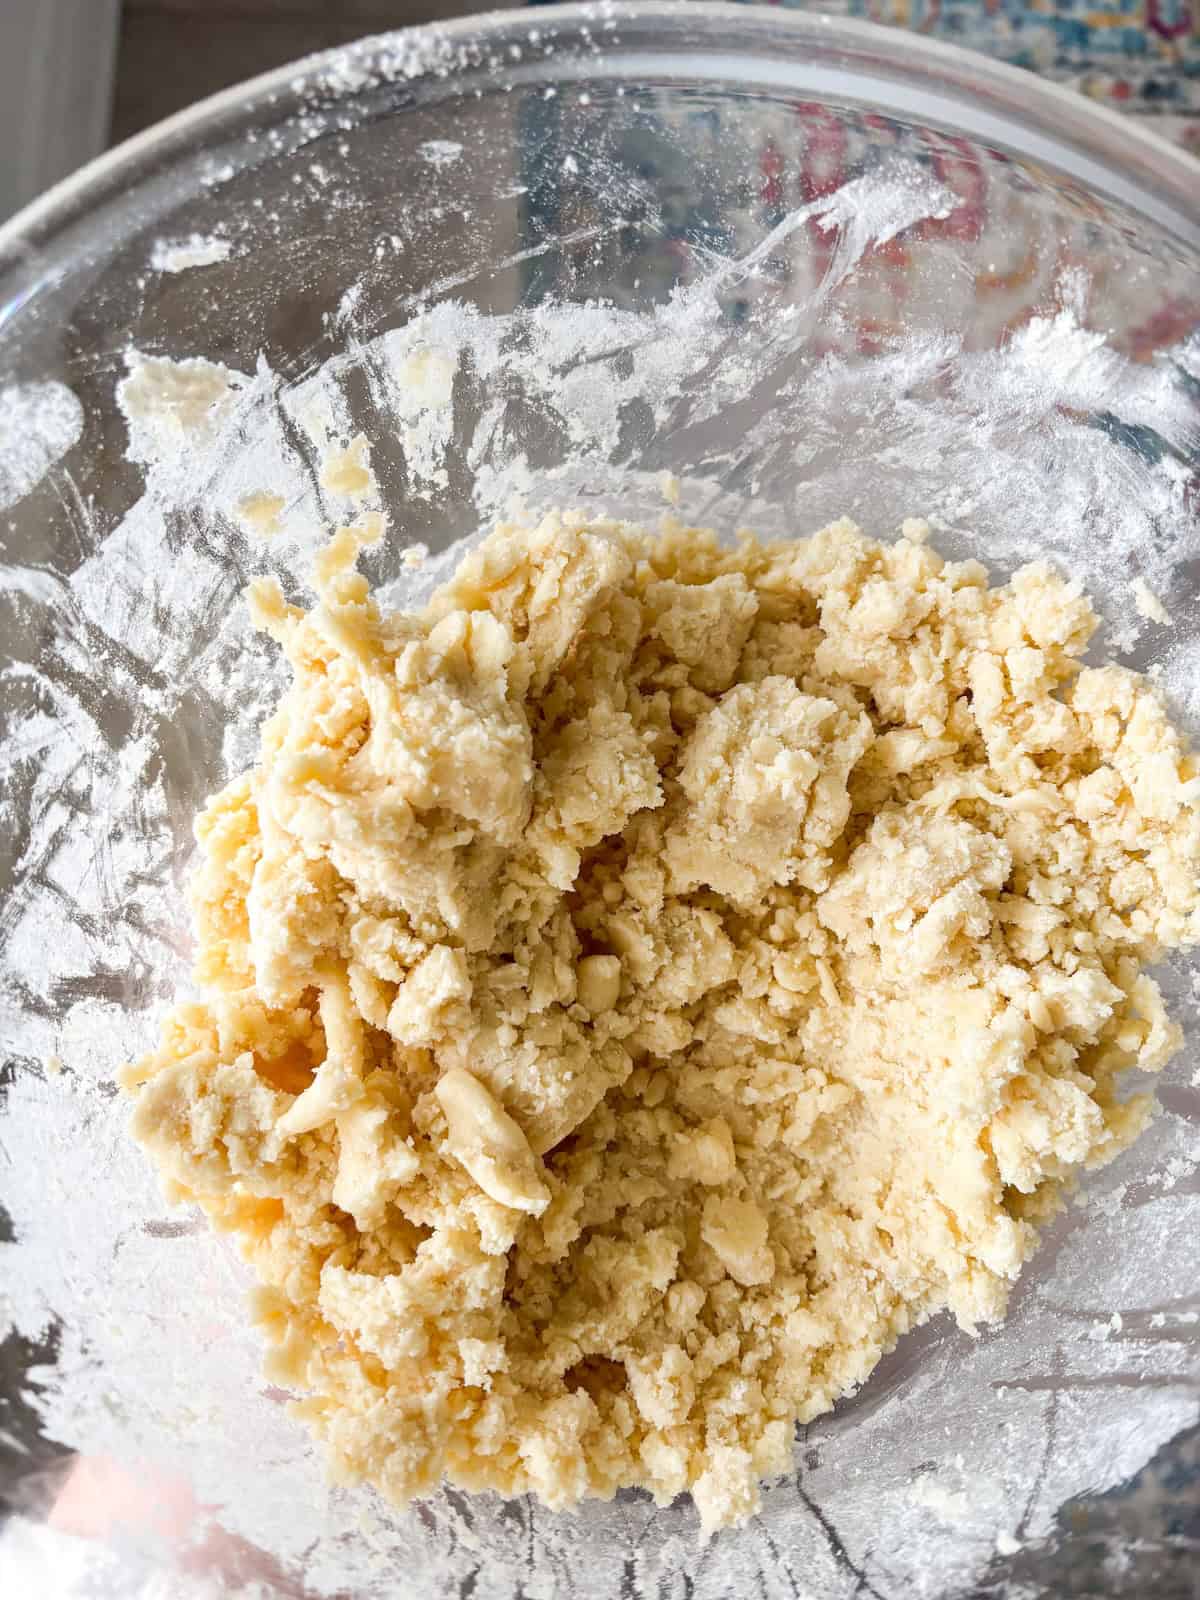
(1148, 604)
(348, 472)
(635, 990)
(260, 513)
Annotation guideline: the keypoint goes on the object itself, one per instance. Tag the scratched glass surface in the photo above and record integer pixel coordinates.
(548, 257)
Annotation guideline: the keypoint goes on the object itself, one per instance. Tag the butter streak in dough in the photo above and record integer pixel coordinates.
(636, 990)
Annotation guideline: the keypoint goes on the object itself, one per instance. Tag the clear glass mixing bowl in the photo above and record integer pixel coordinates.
(808, 269)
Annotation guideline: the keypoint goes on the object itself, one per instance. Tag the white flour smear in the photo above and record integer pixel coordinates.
(150, 693)
(39, 423)
(197, 250)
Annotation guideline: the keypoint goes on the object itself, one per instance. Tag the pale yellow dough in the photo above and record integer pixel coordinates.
(636, 990)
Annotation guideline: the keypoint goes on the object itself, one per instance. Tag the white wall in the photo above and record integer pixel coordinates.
(56, 75)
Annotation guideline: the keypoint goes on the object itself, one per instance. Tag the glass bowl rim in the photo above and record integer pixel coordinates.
(1155, 178)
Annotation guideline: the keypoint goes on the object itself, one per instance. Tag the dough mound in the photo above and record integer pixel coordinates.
(636, 990)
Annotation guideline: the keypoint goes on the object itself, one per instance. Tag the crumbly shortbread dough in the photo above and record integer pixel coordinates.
(636, 990)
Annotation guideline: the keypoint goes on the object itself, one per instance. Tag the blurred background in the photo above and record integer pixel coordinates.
(76, 75)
